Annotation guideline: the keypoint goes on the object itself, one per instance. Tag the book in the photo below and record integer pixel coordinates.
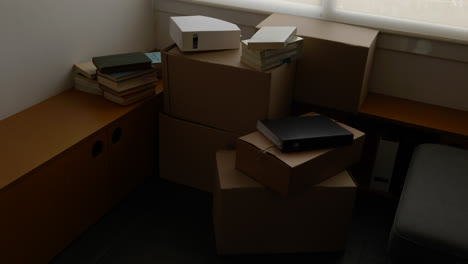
(281, 57)
(272, 37)
(265, 67)
(83, 84)
(122, 62)
(87, 69)
(129, 98)
(129, 83)
(130, 91)
(156, 61)
(295, 44)
(155, 57)
(124, 75)
(305, 133)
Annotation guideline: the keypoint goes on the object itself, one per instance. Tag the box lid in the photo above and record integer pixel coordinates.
(230, 178)
(292, 159)
(320, 29)
(224, 57)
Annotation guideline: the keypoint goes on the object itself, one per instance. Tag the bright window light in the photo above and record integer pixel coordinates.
(437, 19)
(444, 12)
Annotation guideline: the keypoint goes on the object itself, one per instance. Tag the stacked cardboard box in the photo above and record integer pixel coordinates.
(250, 219)
(210, 99)
(266, 201)
(334, 69)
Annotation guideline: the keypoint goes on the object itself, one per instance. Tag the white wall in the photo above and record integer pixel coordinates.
(41, 40)
(422, 70)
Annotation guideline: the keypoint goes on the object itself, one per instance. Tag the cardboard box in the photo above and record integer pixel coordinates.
(334, 69)
(187, 152)
(250, 219)
(215, 89)
(288, 173)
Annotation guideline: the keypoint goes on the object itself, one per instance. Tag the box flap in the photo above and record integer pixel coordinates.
(224, 57)
(292, 159)
(229, 177)
(320, 29)
(343, 179)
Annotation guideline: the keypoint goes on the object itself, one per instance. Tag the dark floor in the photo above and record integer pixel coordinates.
(163, 222)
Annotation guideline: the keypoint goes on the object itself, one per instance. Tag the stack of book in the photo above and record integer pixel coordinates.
(271, 47)
(85, 78)
(127, 78)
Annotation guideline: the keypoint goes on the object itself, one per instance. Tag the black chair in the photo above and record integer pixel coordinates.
(431, 223)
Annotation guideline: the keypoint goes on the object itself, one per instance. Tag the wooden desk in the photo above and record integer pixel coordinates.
(411, 123)
(65, 162)
(412, 113)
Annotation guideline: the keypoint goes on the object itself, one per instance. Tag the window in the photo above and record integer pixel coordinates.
(447, 19)
(440, 19)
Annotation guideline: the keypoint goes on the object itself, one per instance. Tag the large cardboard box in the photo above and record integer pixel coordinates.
(249, 219)
(335, 67)
(291, 172)
(215, 89)
(187, 152)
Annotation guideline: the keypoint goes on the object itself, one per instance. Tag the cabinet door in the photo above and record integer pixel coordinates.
(44, 211)
(131, 144)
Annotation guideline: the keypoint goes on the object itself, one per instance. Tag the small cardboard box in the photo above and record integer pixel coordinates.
(250, 219)
(292, 172)
(215, 89)
(187, 151)
(334, 69)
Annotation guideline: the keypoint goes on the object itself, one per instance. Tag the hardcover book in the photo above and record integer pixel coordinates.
(125, 75)
(87, 69)
(296, 45)
(130, 91)
(129, 98)
(273, 37)
(303, 133)
(129, 83)
(84, 84)
(122, 62)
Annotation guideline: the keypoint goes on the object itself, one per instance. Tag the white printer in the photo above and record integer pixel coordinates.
(197, 33)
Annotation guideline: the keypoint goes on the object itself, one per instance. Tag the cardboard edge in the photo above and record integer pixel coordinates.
(368, 72)
(265, 155)
(166, 77)
(267, 72)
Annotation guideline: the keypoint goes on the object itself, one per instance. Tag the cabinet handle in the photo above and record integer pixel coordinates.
(97, 148)
(116, 135)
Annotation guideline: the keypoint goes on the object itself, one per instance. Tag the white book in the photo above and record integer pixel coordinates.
(267, 56)
(274, 37)
(87, 85)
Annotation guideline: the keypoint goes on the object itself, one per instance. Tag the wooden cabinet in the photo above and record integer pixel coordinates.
(132, 150)
(57, 182)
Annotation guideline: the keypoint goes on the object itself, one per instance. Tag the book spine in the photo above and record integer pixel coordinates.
(268, 134)
(145, 65)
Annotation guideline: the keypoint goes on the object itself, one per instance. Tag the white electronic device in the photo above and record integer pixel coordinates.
(196, 33)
